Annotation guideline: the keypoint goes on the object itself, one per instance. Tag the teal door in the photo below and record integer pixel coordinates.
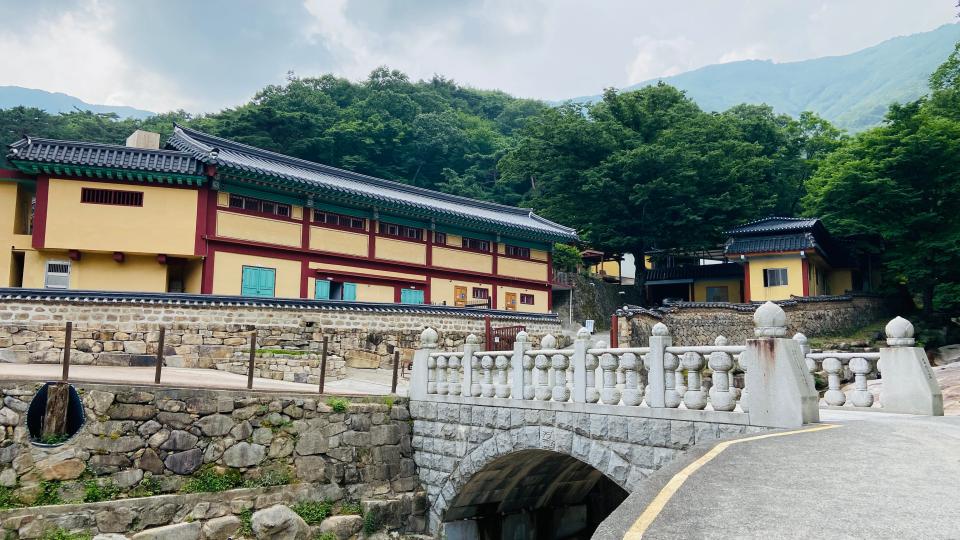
(322, 290)
(411, 296)
(256, 281)
(349, 291)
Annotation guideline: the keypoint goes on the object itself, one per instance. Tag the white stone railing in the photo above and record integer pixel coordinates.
(909, 385)
(779, 388)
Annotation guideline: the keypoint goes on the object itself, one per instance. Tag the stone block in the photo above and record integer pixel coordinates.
(279, 523)
(221, 528)
(362, 359)
(244, 454)
(177, 531)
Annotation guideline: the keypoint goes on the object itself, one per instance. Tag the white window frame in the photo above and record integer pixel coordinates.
(776, 277)
(47, 275)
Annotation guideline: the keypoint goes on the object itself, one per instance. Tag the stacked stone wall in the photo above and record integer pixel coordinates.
(114, 334)
(141, 442)
(701, 323)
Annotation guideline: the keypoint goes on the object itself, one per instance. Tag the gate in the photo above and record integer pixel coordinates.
(503, 338)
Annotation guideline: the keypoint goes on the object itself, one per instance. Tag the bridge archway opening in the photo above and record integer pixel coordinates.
(532, 494)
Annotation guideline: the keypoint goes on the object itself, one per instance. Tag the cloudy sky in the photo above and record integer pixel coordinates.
(203, 55)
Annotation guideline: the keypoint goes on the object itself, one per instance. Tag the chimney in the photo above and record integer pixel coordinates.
(144, 139)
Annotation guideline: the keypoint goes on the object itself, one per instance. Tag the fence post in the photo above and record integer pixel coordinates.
(396, 367)
(67, 343)
(580, 346)
(418, 378)
(323, 364)
(471, 346)
(656, 374)
(516, 365)
(487, 333)
(909, 385)
(614, 331)
(253, 359)
(160, 340)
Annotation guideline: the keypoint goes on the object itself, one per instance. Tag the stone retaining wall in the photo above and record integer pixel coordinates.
(114, 334)
(700, 323)
(300, 368)
(154, 440)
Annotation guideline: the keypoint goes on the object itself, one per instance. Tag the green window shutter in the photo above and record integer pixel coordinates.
(411, 296)
(322, 290)
(248, 286)
(349, 291)
(258, 282)
(268, 277)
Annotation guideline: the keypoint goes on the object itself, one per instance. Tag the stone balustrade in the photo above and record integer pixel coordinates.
(909, 385)
(693, 382)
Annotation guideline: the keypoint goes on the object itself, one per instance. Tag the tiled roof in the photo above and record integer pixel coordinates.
(768, 244)
(695, 272)
(107, 156)
(775, 224)
(350, 186)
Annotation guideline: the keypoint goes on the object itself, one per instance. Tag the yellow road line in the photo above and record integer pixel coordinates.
(656, 506)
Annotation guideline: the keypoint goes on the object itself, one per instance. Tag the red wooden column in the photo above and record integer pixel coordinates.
(614, 331)
(305, 245)
(746, 281)
(40, 211)
(207, 201)
(805, 271)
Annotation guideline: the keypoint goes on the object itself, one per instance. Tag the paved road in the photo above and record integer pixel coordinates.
(877, 475)
(358, 381)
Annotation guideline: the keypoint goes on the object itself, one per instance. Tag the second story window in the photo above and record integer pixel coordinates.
(517, 251)
(401, 231)
(259, 205)
(440, 238)
(476, 245)
(481, 293)
(338, 220)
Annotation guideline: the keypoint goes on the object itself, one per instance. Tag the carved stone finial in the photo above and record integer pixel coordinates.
(900, 333)
(721, 341)
(800, 338)
(428, 338)
(548, 342)
(661, 329)
(601, 345)
(473, 339)
(770, 321)
(522, 336)
(583, 333)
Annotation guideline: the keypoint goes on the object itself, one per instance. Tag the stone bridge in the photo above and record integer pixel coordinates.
(510, 442)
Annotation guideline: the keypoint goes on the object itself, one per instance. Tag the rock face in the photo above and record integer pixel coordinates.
(178, 531)
(244, 455)
(279, 523)
(221, 528)
(343, 527)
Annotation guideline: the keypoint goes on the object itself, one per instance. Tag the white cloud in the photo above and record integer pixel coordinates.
(659, 58)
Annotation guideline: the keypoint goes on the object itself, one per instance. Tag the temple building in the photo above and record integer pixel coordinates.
(207, 215)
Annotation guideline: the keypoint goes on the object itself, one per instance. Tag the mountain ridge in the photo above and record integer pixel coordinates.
(58, 102)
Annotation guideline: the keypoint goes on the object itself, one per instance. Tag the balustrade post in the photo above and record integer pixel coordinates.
(560, 363)
(680, 382)
(632, 389)
(419, 378)
(909, 385)
(833, 396)
(486, 382)
(656, 366)
(544, 390)
(591, 364)
(580, 375)
(694, 398)
(671, 394)
(501, 388)
(453, 376)
(860, 396)
(610, 394)
(742, 395)
(521, 375)
(442, 387)
(470, 385)
(722, 397)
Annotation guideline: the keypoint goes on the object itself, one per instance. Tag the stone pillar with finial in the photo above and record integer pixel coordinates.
(781, 387)
(418, 379)
(909, 385)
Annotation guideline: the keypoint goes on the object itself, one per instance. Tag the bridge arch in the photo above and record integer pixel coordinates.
(531, 470)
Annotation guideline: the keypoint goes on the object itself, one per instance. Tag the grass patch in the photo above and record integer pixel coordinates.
(371, 523)
(246, 523)
(289, 352)
(148, 487)
(54, 439)
(351, 508)
(326, 536)
(864, 333)
(63, 534)
(313, 512)
(389, 401)
(49, 494)
(8, 499)
(338, 404)
(95, 492)
(210, 480)
(270, 478)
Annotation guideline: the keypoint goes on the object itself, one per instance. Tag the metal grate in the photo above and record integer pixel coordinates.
(114, 197)
(57, 275)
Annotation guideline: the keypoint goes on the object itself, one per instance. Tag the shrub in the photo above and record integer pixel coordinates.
(209, 480)
(370, 523)
(351, 508)
(246, 522)
(95, 492)
(389, 401)
(63, 534)
(326, 536)
(8, 499)
(338, 404)
(313, 512)
(147, 487)
(272, 477)
(49, 493)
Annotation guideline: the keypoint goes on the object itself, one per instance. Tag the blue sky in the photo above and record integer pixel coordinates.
(203, 55)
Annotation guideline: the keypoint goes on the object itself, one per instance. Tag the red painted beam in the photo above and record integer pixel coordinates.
(40, 212)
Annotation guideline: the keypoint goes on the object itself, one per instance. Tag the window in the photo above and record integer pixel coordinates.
(113, 197)
(257, 281)
(481, 293)
(440, 238)
(476, 245)
(520, 252)
(401, 231)
(774, 277)
(321, 290)
(526, 299)
(57, 275)
(411, 296)
(326, 289)
(718, 294)
(259, 205)
(338, 220)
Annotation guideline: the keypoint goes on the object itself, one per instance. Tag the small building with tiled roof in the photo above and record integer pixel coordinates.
(212, 216)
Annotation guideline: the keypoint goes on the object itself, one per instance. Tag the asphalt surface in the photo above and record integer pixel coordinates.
(877, 475)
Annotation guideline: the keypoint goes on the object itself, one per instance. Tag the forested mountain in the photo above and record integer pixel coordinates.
(852, 91)
(58, 102)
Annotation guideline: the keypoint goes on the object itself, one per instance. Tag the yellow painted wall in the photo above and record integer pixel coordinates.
(8, 211)
(538, 254)
(610, 268)
(228, 269)
(193, 276)
(398, 250)
(337, 241)
(522, 269)
(732, 285)
(166, 223)
(34, 266)
(454, 240)
(258, 229)
(539, 299)
(795, 277)
(365, 292)
(99, 272)
(366, 271)
(462, 260)
(840, 281)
